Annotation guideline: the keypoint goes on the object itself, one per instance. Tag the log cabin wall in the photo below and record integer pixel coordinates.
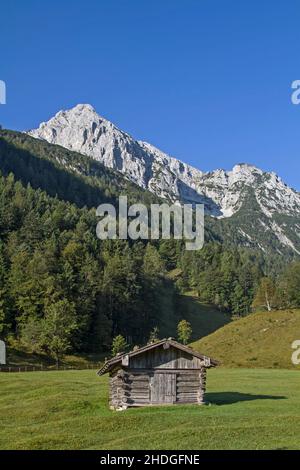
(129, 388)
(116, 389)
(159, 376)
(190, 387)
(170, 358)
(132, 387)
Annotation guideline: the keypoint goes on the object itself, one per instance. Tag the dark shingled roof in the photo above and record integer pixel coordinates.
(117, 359)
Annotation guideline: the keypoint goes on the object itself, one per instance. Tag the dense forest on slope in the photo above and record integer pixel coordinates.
(65, 174)
(53, 267)
(86, 182)
(61, 287)
(235, 280)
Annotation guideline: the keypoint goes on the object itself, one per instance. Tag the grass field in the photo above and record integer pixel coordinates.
(250, 409)
(259, 340)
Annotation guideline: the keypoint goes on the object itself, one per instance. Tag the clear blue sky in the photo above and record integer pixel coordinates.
(208, 81)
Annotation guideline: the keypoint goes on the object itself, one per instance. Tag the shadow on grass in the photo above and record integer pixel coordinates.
(228, 398)
(204, 319)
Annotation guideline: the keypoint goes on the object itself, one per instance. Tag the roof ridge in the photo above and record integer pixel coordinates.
(116, 359)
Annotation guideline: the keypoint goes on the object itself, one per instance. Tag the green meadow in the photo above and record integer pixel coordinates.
(247, 409)
(262, 339)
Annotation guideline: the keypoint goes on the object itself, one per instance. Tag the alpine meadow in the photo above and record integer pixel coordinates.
(149, 231)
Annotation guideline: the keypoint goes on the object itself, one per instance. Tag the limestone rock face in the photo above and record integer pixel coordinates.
(224, 193)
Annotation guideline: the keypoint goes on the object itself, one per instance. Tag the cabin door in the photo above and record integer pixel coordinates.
(163, 388)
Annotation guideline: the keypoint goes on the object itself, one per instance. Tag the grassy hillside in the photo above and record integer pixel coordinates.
(17, 357)
(204, 319)
(250, 409)
(258, 340)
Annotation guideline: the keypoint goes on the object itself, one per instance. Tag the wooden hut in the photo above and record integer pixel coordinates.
(161, 373)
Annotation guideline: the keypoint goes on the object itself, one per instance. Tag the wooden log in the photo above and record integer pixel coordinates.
(190, 384)
(140, 377)
(187, 378)
(188, 390)
(116, 380)
(202, 380)
(137, 383)
(129, 401)
(136, 393)
(189, 394)
(187, 401)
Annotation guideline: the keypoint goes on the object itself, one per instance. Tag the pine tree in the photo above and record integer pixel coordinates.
(153, 265)
(184, 331)
(57, 328)
(154, 335)
(118, 345)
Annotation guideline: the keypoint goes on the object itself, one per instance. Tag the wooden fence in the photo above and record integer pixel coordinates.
(41, 367)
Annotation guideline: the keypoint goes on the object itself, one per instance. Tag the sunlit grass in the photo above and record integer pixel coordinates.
(259, 340)
(250, 409)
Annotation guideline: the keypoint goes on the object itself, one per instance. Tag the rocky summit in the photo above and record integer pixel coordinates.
(267, 203)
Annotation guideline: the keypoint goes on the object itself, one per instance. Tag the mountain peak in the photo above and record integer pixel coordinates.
(247, 166)
(85, 106)
(84, 113)
(223, 192)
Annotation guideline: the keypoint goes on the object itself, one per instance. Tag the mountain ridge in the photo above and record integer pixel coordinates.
(224, 193)
(85, 181)
(83, 130)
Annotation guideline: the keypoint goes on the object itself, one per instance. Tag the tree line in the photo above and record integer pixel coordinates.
(238, 280)
(279, 293)
(63, 289)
